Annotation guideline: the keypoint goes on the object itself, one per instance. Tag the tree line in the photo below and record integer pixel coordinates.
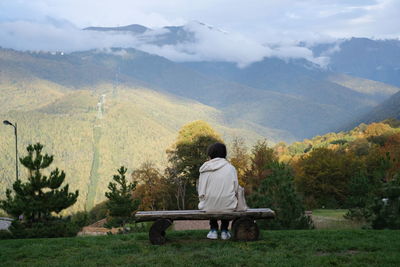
(351, 170)
(356, 170)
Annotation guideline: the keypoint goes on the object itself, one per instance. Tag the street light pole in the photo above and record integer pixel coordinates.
(16, 151)
(16, 146)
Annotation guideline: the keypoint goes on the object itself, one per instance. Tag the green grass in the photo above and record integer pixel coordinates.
(191, 248)
(336, 214)
(333, 219)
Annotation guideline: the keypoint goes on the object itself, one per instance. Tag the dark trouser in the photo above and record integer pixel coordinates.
(224, 225)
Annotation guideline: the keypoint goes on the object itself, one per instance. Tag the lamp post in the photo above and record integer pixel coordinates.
(16, 145)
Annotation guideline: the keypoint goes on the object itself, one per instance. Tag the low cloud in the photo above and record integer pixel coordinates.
(288, 52)
(24, 35)
(213, 44)
(210, 44)
(256, 29)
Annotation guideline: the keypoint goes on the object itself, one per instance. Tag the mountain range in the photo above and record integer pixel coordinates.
(377, 60)
(371, 59)
(360, 73)
(99, 109)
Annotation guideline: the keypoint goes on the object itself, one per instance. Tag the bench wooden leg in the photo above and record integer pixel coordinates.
(245, 229)
(157, 231)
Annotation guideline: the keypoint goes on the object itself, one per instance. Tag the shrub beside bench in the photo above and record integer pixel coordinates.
(244, 227)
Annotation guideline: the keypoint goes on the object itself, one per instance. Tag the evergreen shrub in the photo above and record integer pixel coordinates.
(53, 228)
(121, 204)
(277, 192)
(34, 203)
(5, 234)
(385, 211)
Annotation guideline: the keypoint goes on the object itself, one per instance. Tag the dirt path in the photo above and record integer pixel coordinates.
(191, 225)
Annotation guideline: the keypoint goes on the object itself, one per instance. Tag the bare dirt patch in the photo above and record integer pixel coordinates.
(191, 225)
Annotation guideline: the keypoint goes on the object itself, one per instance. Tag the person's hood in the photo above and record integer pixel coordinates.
(213, 165)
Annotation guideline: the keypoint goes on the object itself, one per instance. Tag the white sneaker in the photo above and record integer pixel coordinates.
(212, 234)
(225, 235)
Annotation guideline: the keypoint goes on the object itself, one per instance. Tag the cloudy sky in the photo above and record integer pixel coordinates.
(56, 24)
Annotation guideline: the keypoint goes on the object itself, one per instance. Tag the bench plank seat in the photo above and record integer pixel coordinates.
(143, 216)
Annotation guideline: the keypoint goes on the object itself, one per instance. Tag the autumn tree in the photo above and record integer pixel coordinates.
(391, 149)
(239, 158)
(377, 128)
(379, 164)
(185, 158)
(360, 147)
(282, 152)
(261, 157)
(323, 176)
(152, 188)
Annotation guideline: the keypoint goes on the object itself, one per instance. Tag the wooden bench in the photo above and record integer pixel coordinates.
(243, 226)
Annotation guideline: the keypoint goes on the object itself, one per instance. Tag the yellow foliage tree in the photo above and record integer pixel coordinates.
(186, 157)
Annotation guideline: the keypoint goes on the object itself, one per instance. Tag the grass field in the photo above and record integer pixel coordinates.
(330, 213)
(191, 248)
(333, 219)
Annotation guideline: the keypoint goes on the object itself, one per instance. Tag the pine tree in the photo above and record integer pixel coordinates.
(121, 203)
(362, 191)
(384, 213)
(37, 199)
(277, 192)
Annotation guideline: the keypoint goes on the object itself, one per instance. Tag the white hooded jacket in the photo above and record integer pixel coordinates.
(218, 185)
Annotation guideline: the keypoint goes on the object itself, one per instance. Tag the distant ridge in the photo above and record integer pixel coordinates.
(386, 110)
(284, 96)
(171, 36)
(377, 60)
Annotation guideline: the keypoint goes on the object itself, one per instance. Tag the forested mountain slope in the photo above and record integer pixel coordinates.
(388, 109)
(272, 93)
(317, 100)
(93, 132)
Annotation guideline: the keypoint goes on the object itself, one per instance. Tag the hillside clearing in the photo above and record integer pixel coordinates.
(191, 248)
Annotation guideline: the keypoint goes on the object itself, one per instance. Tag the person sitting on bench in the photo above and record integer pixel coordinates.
(217, 188)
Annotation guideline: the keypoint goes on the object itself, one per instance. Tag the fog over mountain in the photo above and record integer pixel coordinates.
(243, 32)
(194, 41)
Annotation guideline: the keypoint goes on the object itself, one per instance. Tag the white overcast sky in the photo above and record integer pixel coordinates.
(44, 24)
(337, 18)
